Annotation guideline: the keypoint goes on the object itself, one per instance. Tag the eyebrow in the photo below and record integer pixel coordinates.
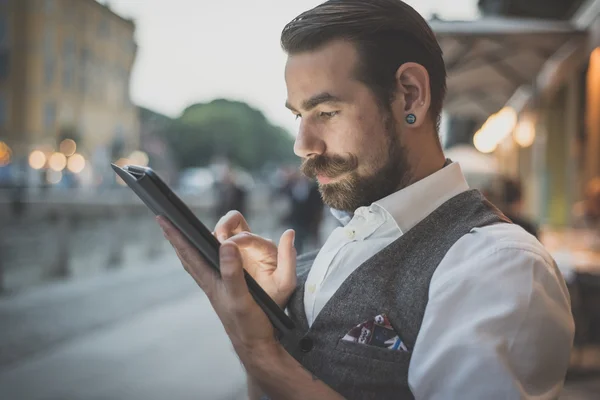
(315, 101)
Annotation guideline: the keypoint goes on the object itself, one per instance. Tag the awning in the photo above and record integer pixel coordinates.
(488, 59)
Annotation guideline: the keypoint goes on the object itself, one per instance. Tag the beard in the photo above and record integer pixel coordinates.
(355, 190)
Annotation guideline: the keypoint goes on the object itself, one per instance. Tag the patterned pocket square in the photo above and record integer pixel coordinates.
(376, 332)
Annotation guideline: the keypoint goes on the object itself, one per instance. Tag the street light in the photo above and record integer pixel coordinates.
(76, 163)
(495, 129)
(139, 158)
(524, 134)
(5, 154)
(57, 162)
(37, 159)
(68, 147)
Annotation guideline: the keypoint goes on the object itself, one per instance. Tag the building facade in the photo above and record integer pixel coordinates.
(65, 68)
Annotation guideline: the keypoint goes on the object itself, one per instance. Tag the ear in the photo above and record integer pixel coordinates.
(413, 95)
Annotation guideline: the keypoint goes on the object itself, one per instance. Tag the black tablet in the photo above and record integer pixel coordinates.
(164, 202)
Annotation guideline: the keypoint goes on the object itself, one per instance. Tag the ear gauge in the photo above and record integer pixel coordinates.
(411, 119)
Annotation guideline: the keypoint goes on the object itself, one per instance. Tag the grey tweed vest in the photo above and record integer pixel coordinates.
(395, 281)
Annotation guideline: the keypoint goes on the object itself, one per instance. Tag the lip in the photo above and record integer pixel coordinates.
(324, 180)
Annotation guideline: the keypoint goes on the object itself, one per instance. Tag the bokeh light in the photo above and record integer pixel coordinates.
(68, 147)
(76, 163)
(139, 158)
(5, 154)
(57, 162)
(37, 159)
(54, 177)
(524, 133)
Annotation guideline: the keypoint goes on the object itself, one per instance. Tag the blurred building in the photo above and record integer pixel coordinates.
(65, 69)
(154, 127)
(524, 86)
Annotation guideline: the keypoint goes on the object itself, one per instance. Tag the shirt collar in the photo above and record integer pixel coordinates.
(412, 204)
(344, 217)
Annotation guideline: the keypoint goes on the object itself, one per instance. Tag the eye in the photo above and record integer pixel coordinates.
(330, 114)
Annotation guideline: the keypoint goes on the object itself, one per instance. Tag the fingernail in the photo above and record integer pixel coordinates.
(294, 239)
(227, 251)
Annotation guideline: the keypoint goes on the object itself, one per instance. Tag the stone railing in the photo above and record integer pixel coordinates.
(60, 235)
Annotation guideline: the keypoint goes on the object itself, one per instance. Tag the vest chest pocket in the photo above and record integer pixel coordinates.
(373, 352)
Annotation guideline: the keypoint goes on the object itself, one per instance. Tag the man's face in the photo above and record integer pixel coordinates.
(347, 141)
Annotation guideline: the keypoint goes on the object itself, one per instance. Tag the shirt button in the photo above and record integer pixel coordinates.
(350, 233)
(312, 288)
(306, 344)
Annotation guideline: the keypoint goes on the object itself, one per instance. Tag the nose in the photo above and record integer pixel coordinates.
(308, 142)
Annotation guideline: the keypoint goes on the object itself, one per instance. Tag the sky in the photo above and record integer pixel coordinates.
(193, 51)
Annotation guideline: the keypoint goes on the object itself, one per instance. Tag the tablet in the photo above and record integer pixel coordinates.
(164, 202)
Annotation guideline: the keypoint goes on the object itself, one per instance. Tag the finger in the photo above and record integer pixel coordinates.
(286, 261)
(192, 260)
(232, 272)
(231, 224)
(246, 240)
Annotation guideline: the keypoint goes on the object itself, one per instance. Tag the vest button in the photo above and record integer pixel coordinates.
(306, 344)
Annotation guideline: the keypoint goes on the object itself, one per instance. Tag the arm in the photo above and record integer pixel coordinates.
(498, 325)
(282, 377)
(248, 328)
(254, 391)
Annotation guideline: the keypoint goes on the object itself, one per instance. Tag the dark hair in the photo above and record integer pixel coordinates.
(387, 34)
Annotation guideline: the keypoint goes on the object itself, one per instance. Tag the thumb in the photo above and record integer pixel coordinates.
(286, 262)
(232, 270)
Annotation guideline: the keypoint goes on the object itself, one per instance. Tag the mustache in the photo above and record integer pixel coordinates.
(329, 166)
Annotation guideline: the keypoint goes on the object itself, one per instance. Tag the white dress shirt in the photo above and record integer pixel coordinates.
(498, 323)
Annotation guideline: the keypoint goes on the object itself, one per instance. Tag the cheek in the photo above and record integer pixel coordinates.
(372, 154)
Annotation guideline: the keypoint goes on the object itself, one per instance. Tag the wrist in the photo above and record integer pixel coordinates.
(263, 359)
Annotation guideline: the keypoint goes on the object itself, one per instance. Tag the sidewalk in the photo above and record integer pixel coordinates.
(42, 317)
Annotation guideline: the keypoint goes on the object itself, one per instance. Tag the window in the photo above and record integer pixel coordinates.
(69, 48)
(49, 40)
(49, 6)
(3, 31)
(3, 110)
(103, 28)
(68, 62)
(69, 13)
(49, 67)
(49, 115)
(4, 64)
(68, 75)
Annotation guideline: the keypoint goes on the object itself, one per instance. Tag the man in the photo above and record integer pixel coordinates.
(427, 291)
(306, 210)
(512, 204)
(586, 214)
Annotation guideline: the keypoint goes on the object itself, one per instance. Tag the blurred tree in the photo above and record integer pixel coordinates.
(227, 128)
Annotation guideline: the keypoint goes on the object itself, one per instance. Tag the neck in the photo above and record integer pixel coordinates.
(425, 156)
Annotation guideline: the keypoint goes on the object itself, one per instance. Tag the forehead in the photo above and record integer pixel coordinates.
(329, 67)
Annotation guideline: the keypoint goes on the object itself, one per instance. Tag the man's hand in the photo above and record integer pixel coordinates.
(273, 267)
(269, 366)
(244, 321)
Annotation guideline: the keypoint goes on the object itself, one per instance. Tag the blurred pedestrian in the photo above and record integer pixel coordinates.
(586, 213)
(306, 210)
(512, 205)
(231, 195)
